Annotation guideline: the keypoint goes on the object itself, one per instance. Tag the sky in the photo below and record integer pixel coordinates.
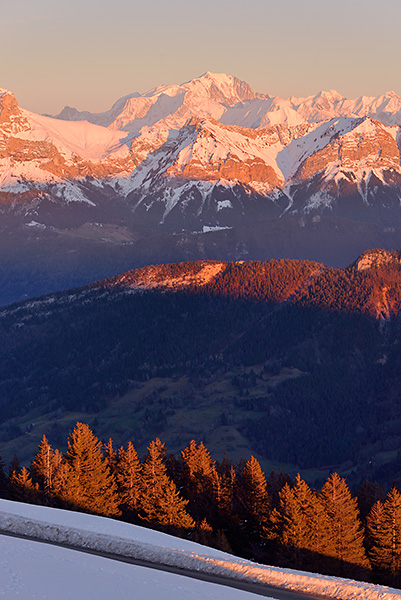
(89, 53)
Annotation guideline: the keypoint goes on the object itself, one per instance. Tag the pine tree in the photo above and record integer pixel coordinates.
(43, 466)
(224, 490)
(197, 461)
(14, 466)
(110, 455)
(3, 480)
(197, 480)
(345, 527)
(252, 500)
(91, 486)
(320, 534)
(384, 534)
(368, 494)
(60, 489)
(300, 525)
(129, 480)
(203, 533)
(275, 483)
(21, 487)
(161, 503)
(252, 489)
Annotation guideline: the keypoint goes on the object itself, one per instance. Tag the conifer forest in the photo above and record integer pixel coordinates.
(233, 507)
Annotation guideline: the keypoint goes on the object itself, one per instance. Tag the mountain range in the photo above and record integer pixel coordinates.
(208, 169)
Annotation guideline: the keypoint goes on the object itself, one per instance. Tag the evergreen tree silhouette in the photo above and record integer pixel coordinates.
(21, 487)
(110, 455)
(367, 495)
(91, 486)
(14, 466)
(197, 480)
(161, 503)
(384, 535)
(60, 489)
(129, 480)
(301, 525)
(252, 500)
(3, 480)
(224, 480)
(43, 466)
(343, 518)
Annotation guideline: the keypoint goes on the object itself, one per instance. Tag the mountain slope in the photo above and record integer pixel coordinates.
(274, 359)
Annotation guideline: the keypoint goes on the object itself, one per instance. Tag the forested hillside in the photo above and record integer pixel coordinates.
(291, 360)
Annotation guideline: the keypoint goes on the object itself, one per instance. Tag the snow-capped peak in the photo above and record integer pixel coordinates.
(222, 87)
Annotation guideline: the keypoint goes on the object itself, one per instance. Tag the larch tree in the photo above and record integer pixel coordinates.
(343, 518)
(224, 484)
(14, 466)
(252, 499)
(161, 504)
(368, 494)
(129, 480)
(384, 534)
(110, 455)
(22, 488)
(43, 466)
(197, 460)
(3, 480)
(197, 480)
(60, 488)
(275, 483)
(203, 534)
(91, 486)
(300, 525)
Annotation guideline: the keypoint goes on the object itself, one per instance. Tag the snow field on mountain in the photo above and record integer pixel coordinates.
(89, 531)
(18, 177)
(90, 142)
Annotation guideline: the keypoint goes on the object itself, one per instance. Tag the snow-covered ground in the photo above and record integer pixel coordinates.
(32, 570)
(21, 563)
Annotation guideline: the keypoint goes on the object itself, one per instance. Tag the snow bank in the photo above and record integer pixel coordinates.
(36, 571)
(101, 534)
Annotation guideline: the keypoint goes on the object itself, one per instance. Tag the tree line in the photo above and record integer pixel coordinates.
(275, 520)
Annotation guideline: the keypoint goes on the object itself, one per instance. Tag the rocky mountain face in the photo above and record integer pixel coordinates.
(206, 169)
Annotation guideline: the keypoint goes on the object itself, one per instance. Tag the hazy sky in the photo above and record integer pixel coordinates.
(88, 53)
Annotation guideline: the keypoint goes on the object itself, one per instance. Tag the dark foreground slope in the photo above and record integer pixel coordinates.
(289, 360)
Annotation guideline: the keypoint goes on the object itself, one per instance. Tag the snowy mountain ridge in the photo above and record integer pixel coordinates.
(211, 158)
(226, 98)
(163, 146)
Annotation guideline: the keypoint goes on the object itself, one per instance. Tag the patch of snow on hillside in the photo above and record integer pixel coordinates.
(319, 200)
(36, 224)
(72, 193)
(209, 228)
(223, 204)
(17, 177)
(93, 532)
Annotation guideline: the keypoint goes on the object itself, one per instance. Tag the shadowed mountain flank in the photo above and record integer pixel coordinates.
(291, 360)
